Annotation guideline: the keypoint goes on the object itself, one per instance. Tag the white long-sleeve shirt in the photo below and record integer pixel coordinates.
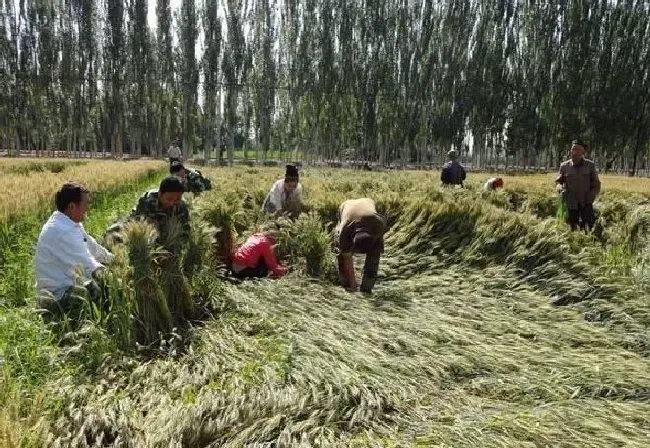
(277, 194)
(62, 247)
(489, 185)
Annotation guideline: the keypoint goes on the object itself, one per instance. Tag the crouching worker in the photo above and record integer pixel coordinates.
(493, 183)
(285, 194)
(163, 208)
(256, 257)
(360, 230)
(193, 180)
(64, 247)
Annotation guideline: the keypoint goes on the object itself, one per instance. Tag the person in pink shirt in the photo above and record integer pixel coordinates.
(256, 257)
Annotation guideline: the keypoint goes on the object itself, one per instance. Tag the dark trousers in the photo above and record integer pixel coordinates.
(260, 270)
(370, 269)
(72, 303)
(582, 217)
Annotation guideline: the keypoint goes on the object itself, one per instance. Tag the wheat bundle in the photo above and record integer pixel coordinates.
(176, 286)
(226, 216)
(199, 248)
(153, 315)
(561, 208)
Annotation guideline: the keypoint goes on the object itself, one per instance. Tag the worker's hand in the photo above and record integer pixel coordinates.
(352, 286)
(561, 188)
(99, 273)
(280, 271)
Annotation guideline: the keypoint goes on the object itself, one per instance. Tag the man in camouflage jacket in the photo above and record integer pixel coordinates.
(193, 180)
(165, 209)
(196, 182)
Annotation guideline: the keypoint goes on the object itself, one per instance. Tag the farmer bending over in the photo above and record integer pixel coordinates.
(579, 183)
(193, 180)
(255, 258)
(64, 246)
(493, 183)
(285, 194)
(453, 173)
(360, 230)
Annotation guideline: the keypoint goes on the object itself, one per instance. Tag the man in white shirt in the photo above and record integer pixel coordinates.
(285, 194)
(65, 250)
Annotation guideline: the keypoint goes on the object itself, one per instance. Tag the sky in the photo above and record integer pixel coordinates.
(153, 22)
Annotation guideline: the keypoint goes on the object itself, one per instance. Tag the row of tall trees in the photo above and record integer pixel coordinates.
(384, 80)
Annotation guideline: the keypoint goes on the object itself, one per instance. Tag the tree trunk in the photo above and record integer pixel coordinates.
(217, 141)
(640, 141)
(233, 124)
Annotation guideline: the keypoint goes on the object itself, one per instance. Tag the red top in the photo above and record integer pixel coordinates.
(256, 246)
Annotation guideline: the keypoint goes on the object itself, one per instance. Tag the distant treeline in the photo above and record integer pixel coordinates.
(385, 81)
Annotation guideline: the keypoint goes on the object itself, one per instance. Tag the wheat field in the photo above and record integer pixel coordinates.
(491, 325)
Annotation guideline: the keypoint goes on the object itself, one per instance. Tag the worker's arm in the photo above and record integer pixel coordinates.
(271, 261)
(140, 208)
(297, 194)
(98, 251)
(346, 271)
(346, 261)
(183, 216)
(275, 195)
(74, 250)
(560, 181)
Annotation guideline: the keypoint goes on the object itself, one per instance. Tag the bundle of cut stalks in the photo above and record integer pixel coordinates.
(152, 312)
(177, 288)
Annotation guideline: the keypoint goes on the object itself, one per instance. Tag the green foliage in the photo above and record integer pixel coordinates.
(25, 346)
(153, 314)
(310, 236)
(200, 249)
(306, 238)
(561, 209)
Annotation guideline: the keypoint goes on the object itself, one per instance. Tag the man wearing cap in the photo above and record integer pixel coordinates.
(452, 173)
(579, 183)
(360, 230)
(285, 194)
